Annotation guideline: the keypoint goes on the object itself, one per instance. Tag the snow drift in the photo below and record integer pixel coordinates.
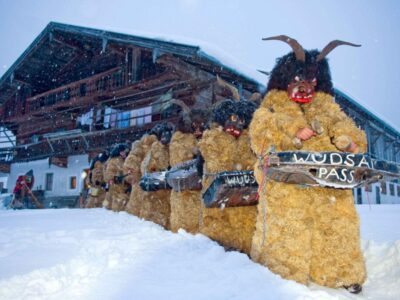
(98, 254)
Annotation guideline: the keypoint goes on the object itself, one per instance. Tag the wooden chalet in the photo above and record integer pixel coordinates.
(79, 90)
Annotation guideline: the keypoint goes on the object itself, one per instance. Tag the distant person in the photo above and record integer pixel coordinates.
(23, 196)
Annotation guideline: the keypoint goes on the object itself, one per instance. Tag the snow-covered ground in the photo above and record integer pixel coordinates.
(98, 254)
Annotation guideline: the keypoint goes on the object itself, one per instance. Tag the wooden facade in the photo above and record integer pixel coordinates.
(79, 90)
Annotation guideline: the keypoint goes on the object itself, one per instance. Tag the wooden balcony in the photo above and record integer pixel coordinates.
(82, 91)
(77, 142)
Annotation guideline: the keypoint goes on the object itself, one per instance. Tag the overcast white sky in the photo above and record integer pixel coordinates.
(370, 74)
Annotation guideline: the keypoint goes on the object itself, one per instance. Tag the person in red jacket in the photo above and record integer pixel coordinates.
(22, 190)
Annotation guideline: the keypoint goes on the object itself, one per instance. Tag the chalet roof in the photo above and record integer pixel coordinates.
(59, 46)
(367, 115)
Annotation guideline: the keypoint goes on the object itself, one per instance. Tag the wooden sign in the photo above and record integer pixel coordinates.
(230, 189)
(332, 169)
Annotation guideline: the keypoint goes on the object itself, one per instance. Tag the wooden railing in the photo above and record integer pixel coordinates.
(96, 85)
(78, 143)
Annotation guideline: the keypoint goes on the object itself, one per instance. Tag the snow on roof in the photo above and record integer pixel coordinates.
(207, 50)
(368, 110)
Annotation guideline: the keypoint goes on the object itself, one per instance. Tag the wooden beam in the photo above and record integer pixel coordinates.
(9, 138)
(21, 82)
(85, 141)
(51, 146)
(184, 68)
(59, 161)
(68, 64)
(115, 49)
(68, 146)
(135, 64)
(66, 44)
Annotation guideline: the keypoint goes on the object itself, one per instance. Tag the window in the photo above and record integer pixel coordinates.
(72, 183)
(391, 189)
(383, 188)
(123, 119)
(359, 196)
(141, 116)
(49, 182)
(378, 195)
(35, 138)
(398, 191)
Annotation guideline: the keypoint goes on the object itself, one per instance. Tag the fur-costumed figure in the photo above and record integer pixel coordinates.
(107, 199)
(156, 204)
(306, 233)
(227, 148)
(132, 166)
(185, 205)
(115, 177)
(96, 181)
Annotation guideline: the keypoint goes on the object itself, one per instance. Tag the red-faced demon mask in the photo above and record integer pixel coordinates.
(303, 73)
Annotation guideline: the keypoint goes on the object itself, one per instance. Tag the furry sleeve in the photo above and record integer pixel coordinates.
(264, 131)
(146, 142)
(218, 149)
(336, 122)
(157, 159)
(133, 161)
(244, 156)
(182, 148)
(289, 116)
(97, 173)
(114, 168)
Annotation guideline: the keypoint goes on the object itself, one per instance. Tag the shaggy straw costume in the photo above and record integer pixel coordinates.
(156, 205)
(185, 205)
(117, 191)
(233, 227)
(132, 164)
(306, 233)
(96, 181)
(107, 199)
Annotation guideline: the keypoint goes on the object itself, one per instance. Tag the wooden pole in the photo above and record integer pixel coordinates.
(35, 200)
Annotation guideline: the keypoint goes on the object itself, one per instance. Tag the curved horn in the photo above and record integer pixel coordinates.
(332, 45)
(297, 48)
(233, 89)
(180, 103)
(264, 72)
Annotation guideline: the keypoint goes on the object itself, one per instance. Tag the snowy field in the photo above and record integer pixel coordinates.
(98, 254)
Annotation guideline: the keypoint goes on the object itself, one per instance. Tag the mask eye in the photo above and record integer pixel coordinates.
(297, 78)
(314, 81)
(234, 118)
